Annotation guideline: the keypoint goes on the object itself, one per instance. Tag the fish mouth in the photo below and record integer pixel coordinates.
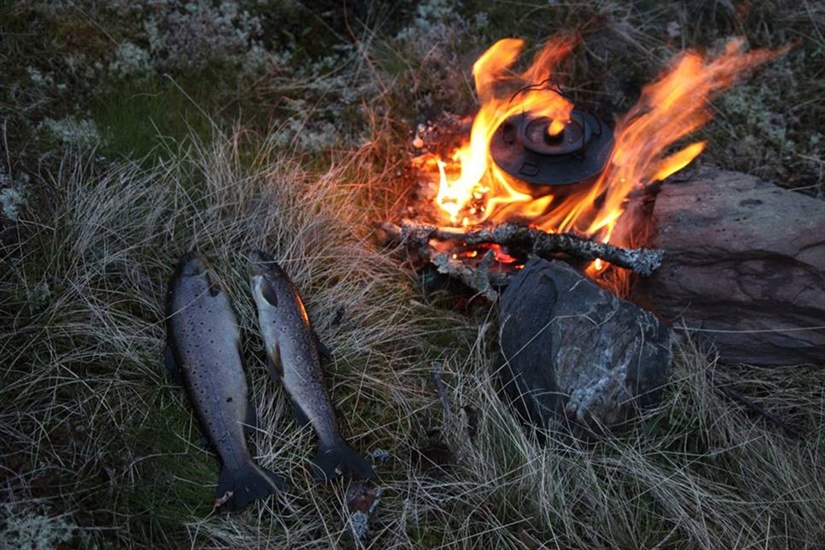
(192, 264)
(260, 262)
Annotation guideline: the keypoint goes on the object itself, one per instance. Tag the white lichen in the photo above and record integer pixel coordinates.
(11, 200)
(435, 22)
(130, 61)
(307, 136)
(38, 79)
(40, 294)
(34, 529)
(12, 195)
(189, 35)
(359, 521)
(81, 134)
(381, 456)
(432, 43)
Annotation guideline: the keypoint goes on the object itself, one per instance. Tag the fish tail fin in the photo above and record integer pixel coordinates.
(337, 460)
(238, 487)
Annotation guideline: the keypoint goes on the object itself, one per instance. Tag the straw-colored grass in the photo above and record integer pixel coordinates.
(97, 437)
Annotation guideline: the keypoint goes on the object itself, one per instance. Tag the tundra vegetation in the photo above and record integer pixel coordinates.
(133, 131)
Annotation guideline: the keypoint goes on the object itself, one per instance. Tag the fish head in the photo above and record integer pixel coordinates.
(195, 269)
(265, 276)
(193, 264)
(262, 263)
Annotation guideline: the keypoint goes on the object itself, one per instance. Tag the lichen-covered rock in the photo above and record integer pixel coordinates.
(573, 352)
(744, 267)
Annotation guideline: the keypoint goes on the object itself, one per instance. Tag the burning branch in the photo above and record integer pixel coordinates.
(642, 261)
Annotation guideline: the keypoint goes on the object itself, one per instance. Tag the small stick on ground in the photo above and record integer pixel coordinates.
(441, 390)
(758, 409)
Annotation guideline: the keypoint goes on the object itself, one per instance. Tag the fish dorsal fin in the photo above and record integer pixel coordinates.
(273, 361)
(323, 350)
(251, 422)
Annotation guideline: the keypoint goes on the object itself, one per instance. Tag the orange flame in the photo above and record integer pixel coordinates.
(668, 111)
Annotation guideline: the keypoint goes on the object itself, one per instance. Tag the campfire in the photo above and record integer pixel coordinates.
(536, 177)
(540, 174)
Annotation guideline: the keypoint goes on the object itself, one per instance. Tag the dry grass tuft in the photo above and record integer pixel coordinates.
(89, 415)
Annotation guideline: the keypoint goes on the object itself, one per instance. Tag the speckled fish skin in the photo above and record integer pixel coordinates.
(204, 339)
(293, 353)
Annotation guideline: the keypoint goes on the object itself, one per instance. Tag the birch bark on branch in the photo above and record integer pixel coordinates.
(529, 240)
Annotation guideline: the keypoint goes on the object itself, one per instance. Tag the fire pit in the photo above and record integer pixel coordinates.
(535, 159)
(540, 176)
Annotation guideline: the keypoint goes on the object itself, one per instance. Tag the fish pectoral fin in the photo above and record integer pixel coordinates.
(214, 284)
(171, 365)
(300, 416)
(273, 362)
(273, 370)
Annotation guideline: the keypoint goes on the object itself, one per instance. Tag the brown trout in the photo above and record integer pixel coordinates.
(292, 349)
(204, 342)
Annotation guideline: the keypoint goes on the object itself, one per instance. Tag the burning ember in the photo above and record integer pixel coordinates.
(532, 156)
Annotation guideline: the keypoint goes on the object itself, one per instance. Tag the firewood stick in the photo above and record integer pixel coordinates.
(642, 261)
(479, 279)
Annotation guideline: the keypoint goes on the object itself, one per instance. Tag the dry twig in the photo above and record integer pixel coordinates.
(642, 261)
(441, 389)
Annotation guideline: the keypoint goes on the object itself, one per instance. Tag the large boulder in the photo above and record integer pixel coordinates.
(744, 267)
(575, 354)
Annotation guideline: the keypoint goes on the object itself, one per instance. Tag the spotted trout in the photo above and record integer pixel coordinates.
(204, 341)
(292, 349)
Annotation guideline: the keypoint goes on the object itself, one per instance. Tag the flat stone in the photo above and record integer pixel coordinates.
(575, 354)
(744, 267)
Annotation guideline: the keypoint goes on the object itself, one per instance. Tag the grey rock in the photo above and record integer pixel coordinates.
(576, 354)
(744, 267)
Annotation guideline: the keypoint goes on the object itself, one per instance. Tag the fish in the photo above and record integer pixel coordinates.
(293, 352)
(204, 349)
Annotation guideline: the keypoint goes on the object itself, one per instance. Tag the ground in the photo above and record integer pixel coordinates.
(134, 131)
